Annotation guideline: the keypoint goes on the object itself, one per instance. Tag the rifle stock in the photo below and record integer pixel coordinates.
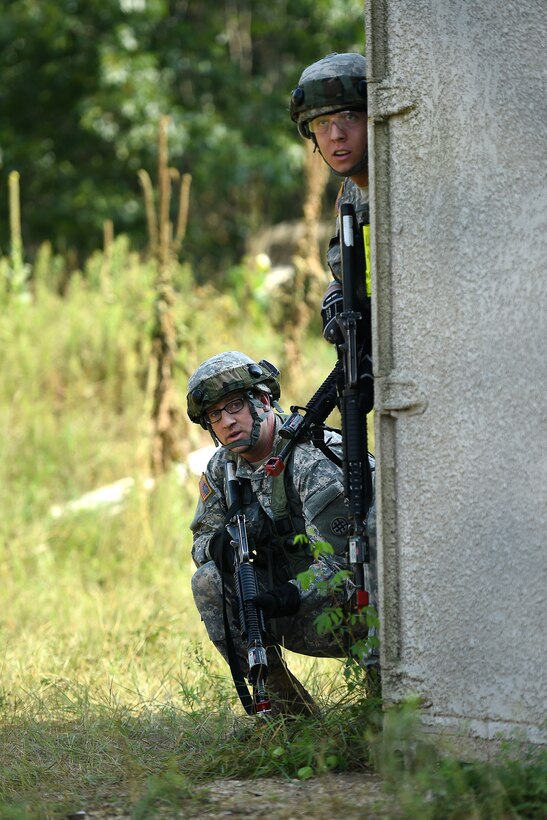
(298, 427)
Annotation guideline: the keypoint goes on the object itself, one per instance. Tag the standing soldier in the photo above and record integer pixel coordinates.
(329, 106)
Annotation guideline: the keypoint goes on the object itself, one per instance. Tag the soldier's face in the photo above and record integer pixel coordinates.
(340, 146)
(234, 426)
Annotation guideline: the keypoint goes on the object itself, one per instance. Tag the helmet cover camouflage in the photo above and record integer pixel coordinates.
(227, 373)
(335, 83)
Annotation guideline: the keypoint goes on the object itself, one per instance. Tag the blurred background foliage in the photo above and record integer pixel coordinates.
(94, 547)
(103, 318)
(112, 288)
(85, 85)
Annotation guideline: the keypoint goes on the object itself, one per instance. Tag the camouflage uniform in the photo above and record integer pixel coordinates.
(307, 498)
(358, 197)
(315, 497)
(337, 83)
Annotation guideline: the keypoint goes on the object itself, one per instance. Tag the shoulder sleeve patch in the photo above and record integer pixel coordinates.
(204, 488)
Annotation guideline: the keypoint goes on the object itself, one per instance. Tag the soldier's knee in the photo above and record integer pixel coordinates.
(206, 585)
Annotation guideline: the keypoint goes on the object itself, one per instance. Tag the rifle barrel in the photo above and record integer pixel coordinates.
(357, 473)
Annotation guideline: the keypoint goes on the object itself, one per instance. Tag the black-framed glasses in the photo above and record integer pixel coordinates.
(232, 407)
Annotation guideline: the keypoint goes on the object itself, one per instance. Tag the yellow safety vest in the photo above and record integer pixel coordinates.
(366, 242)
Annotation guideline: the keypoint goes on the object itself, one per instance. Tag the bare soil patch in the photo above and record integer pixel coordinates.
(347, 795)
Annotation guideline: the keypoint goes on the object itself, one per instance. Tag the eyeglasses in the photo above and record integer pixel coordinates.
(345, 120)
(232, 408)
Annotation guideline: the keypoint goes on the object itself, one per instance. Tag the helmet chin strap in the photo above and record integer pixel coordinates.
(255, 405)
(355, 169)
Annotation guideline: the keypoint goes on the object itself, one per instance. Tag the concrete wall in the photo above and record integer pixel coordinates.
(458, 135)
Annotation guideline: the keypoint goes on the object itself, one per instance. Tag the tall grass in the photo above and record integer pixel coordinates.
(111, 698)
(98, 630)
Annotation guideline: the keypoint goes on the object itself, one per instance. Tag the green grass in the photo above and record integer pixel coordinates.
(111, 697)
(105, 671)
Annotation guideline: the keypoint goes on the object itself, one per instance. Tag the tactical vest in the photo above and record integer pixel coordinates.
(276, 550)
(286, 522)
(349, 193)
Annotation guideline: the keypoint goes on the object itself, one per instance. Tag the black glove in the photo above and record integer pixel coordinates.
(280, 601)
(331, 306)
(222, 552)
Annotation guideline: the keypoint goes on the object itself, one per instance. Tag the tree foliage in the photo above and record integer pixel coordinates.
(85, 84)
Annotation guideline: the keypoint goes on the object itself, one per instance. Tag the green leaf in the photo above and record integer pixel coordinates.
(305, 578)
(322, 548)
(329, 620)
(305, 772)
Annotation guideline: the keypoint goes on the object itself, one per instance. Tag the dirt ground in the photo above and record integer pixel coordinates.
(345, 796)
(348, 796)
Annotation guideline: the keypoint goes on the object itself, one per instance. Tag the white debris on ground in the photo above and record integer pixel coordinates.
(278, 277)
(111, 496)
(198, 460)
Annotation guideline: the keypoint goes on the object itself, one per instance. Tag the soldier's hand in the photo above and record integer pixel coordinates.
(279, 601)
(331, 306)
(221, 551)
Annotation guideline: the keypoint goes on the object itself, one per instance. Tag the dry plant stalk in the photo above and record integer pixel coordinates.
(164, 185)
(15, 221)
(108, 242)
(166, 418)
(184, 210)
(151, 219)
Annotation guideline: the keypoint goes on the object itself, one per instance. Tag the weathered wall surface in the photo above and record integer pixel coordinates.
(458, 136)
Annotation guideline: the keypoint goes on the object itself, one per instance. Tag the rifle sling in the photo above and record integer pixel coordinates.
(233, 659)
(319, 442)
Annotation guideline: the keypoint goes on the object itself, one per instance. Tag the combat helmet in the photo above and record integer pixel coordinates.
(227, 373)
(337, 82)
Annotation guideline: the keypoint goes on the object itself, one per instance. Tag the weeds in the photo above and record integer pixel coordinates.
(110, 697)
(429, 783)
(104, 679)
(159, 760)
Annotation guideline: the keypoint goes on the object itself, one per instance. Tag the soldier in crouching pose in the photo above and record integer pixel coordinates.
(235, 399)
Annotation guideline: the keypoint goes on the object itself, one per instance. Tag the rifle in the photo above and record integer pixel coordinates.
(300, 427)
(251, 619)
(356, 399)
(346, 315)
